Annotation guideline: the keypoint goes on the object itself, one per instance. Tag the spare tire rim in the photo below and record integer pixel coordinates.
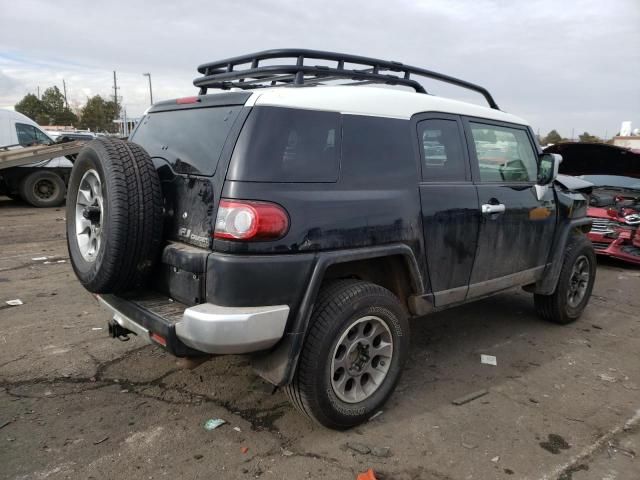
(89, 209)
(361, 359)
(578, 281)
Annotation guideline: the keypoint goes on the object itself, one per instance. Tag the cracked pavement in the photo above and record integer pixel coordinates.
(563, 402)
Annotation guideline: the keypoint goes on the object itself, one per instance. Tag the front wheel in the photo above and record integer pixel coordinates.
(353, 355)
(575, 283)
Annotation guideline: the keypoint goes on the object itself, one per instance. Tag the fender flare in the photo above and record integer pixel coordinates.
(278, 366)
(547, 284)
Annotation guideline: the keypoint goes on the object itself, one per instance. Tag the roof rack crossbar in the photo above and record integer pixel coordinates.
(229, 73)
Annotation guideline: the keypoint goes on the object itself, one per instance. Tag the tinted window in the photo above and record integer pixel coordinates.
(504, 154)
(287, 145)
(376, 151)
(190, 140)
(443, 155)
(30, 135)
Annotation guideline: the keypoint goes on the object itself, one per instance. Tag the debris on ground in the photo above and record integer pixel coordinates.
(237, 429)
(383, 452)
(213, 423)
(96, 328)
(38, 259)
(358, 447)
(368, 475)
(361, 448)
(613, 448)
(244, 449)
(471, 396)
(287, 453)
(102, 440)
(2, 425)
(495, 459)
(15, 302)
(376, 415)
(605, 377)
(488, 360)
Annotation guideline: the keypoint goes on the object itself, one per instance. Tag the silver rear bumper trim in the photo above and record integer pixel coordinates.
(222, 330)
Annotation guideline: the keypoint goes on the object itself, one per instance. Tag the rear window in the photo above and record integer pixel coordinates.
(287, 145)
(191, 140)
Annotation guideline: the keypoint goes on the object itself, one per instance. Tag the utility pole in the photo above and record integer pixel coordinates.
(64, 89)
(38, 92)
(115, 90)
(150, 90)
(115, 95)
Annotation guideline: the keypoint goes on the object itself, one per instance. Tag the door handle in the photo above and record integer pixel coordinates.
(489, 208)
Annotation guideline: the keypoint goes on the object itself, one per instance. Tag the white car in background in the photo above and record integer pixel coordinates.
(42, 184)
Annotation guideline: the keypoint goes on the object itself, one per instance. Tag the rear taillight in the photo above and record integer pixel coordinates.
(250, 220)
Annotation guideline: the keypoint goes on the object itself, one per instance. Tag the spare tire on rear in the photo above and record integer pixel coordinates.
(114, 215)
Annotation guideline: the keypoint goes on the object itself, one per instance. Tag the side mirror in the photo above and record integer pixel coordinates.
(548, 166)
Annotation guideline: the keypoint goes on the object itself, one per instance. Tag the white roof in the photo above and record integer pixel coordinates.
(6, 114)
(372, 101)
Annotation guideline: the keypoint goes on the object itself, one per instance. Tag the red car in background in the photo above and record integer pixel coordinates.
(614, 204)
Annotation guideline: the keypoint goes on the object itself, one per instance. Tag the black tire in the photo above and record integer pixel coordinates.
(339, 305)
(131, 217)
(43, 189)
(556, 307)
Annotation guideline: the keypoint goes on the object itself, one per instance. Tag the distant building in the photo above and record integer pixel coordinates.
(627, 138)
(632, 142)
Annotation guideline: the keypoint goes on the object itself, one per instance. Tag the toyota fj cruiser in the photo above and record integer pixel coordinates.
(304, 223)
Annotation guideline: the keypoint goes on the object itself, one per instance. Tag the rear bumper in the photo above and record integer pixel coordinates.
(204, 328)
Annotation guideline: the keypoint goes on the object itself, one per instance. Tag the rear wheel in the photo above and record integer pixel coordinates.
(43, 189)
(353, 355)
(575, 284)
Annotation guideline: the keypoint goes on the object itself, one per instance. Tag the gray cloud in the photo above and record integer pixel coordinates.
(564, 65)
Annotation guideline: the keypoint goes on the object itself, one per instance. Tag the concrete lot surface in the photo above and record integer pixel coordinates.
(563, 402)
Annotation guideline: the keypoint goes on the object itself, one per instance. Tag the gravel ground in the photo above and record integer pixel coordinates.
(562, 402)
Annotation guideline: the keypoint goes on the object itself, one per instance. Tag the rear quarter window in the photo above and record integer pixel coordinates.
(190, 140)
(287, 145)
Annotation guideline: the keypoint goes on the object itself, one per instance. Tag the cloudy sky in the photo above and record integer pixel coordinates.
(560, 64)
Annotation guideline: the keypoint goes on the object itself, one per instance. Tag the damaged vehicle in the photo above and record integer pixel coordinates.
(614, 204)
(293, 213)
(614, 207)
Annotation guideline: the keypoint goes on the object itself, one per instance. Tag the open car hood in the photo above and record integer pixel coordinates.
(596, 159)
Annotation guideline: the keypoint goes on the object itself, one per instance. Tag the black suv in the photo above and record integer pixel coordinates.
(301, 216)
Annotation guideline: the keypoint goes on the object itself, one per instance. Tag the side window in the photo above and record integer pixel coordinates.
(41, 137)
(29, 135)
(26, 134)
(443, 154)
(504, 154)
(287, 145)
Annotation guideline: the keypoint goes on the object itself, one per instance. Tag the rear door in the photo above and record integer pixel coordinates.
(190, 144)
(450, 211)
(516, 228)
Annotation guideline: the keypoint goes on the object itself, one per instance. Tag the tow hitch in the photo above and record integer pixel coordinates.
(118, 331)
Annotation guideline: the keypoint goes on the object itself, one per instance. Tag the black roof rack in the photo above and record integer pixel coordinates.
(225, 75)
